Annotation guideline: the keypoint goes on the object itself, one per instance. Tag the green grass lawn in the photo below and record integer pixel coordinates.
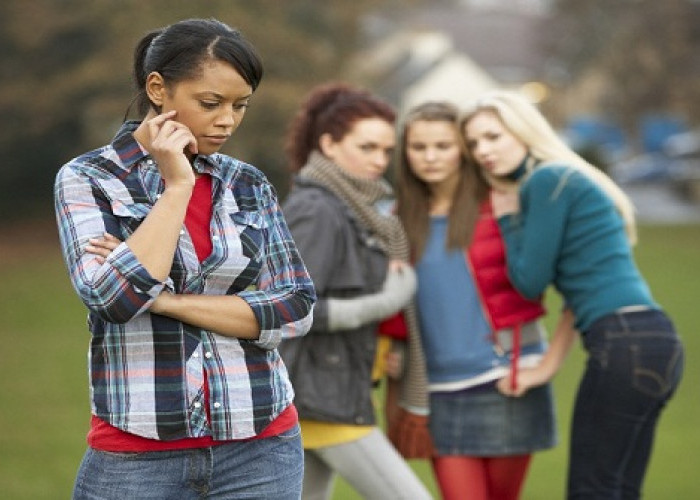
(43, 382)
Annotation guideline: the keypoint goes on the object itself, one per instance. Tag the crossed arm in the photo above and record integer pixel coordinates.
(227, 315)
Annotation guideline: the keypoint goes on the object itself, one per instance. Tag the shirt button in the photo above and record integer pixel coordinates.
(217, 405)
(207, 355)
(158, 196)
(149, 162)
(182, 232)
(198, 405)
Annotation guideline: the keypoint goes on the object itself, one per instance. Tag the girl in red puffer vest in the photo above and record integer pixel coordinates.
(476, 329)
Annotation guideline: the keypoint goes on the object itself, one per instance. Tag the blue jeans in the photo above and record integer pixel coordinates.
(269, 468)
(634, 366)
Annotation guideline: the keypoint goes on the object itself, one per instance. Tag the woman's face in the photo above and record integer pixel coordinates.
(212, 105)
(497, 151)
(433, 152)
(365, 151)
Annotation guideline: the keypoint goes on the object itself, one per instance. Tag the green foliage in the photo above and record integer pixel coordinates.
(43, 384)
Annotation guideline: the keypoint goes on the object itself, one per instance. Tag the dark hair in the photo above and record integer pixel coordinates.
(333, 109)
(413, 203)
(178, 51)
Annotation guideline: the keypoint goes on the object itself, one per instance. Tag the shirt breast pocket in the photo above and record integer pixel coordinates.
(251, 230)
(129, 215)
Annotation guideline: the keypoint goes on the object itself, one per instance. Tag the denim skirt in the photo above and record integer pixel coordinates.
(481, 422)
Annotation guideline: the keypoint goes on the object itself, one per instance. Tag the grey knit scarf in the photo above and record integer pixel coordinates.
(362, 196)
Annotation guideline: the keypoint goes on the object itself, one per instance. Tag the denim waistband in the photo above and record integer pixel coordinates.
(633, 319)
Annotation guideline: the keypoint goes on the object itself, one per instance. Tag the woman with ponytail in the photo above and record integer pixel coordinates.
(191, 280)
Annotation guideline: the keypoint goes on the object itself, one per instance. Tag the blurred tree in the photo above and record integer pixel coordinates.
(646, 49)
(65, 77)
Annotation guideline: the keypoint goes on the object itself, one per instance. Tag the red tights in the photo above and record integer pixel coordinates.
(480, 478)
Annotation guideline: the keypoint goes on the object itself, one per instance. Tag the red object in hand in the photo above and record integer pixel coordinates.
(394, 327)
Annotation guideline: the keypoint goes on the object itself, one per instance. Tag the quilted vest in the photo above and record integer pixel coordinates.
(486, 257)
(504, 306)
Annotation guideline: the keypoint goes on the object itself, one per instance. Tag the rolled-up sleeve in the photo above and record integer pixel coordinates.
(119, 288)
(284, 298)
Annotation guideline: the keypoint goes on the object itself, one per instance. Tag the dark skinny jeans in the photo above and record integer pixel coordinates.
(634, 366)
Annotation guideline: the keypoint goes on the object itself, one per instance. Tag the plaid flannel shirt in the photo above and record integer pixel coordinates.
(147, 371)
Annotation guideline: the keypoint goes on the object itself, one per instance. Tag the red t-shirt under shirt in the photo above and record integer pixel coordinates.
(103, 436)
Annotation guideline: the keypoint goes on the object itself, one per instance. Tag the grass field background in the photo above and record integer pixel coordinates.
(43, 384)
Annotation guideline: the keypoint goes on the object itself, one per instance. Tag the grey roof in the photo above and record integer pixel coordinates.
(508, 44)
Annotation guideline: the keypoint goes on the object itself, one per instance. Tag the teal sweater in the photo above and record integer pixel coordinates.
(569, 233)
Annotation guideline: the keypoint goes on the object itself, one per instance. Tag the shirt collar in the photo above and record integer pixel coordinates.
(131, 153)
(127, 148)
(207, 164)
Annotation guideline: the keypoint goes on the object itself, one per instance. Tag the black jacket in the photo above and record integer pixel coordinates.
(331, 371)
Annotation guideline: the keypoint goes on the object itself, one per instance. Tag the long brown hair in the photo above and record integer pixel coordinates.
(413, 205)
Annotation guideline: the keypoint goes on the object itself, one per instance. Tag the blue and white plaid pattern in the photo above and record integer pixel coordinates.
(147, 371)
